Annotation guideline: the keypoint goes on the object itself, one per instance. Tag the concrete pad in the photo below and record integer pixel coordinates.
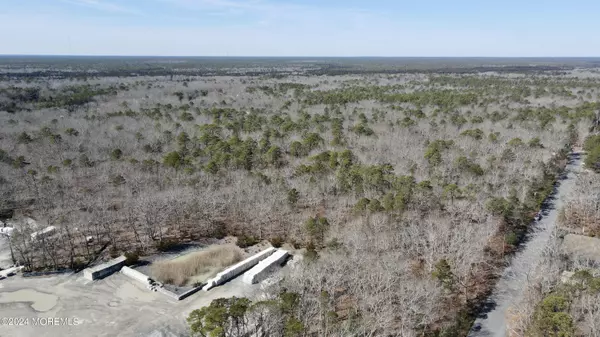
(113, 306)
(265, 267)
(581, 247)
(39, 301)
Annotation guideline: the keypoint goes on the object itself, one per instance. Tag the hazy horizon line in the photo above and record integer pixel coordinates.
(287, 56)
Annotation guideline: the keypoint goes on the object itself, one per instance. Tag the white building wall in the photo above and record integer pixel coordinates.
(104, 269)
(238, 268)
(136, 275)
(264, 267)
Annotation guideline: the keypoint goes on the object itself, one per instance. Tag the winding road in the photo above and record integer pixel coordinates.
(509, 287)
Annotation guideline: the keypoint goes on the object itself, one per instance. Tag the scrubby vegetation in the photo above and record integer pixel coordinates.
(417, 181)
(180, 270)
(562, 293)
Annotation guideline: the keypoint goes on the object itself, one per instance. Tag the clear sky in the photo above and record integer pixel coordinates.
(301, 27)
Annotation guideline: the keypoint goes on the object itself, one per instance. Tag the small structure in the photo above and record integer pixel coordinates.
(581, 247)
(136, 275)
(10, 271)
(43, 233)
(6, 231)
(264, 267)
(238, 269)
(104, 269)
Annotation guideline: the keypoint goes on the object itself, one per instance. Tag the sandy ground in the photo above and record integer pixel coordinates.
(114, 306)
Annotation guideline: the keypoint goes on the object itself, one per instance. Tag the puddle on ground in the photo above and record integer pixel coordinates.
(39, 301)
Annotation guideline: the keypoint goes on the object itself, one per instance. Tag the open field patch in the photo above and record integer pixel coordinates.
(197, 266)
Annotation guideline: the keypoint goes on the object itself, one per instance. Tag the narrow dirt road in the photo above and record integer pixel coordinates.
(510, 286)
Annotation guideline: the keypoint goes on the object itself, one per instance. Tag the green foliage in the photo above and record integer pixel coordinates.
(591, 142)
(116, 180)
(19, 162)
(183, 139)
(53, 169)
(433, 151)
(219, 317)
(116, 154)
(24, 138)
(493, 136)
(311, 141)
(186, 117)
(592, 159)
(297, 149)
(451, 191)
(515, 142)
(498, 206)
(276, 241)
(508, 155)
(84, 161)
(293, 327)
(477, 120)
(316, 227)
(292, 196)
(174, 160)
(586, 281)
(443, 273)
(363, 129)
(375, 206)
(337, 125)
(5, 157)
(551, 317)
(361, 205)
(473, 133)
(131, 258)
(165, 245)
(67, 162)
(245, 241)
(535, 142)
(592, 146)
(274, 156)
(463, 163)
(511, 238)
(407, 122)
(458, 120)
(55, 138)
(72, 132)
(443, 98)
(388, 202)
(76, 95)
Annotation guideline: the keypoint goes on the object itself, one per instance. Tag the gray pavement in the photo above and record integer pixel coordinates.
(510, 286)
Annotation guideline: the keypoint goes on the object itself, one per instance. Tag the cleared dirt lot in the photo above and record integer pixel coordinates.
(114, 306)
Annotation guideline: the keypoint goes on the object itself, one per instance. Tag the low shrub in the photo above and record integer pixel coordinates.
(131, 258)
(277, 241)
(246, 241)
(165, 245)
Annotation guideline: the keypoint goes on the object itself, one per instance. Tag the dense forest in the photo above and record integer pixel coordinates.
(405, 189)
